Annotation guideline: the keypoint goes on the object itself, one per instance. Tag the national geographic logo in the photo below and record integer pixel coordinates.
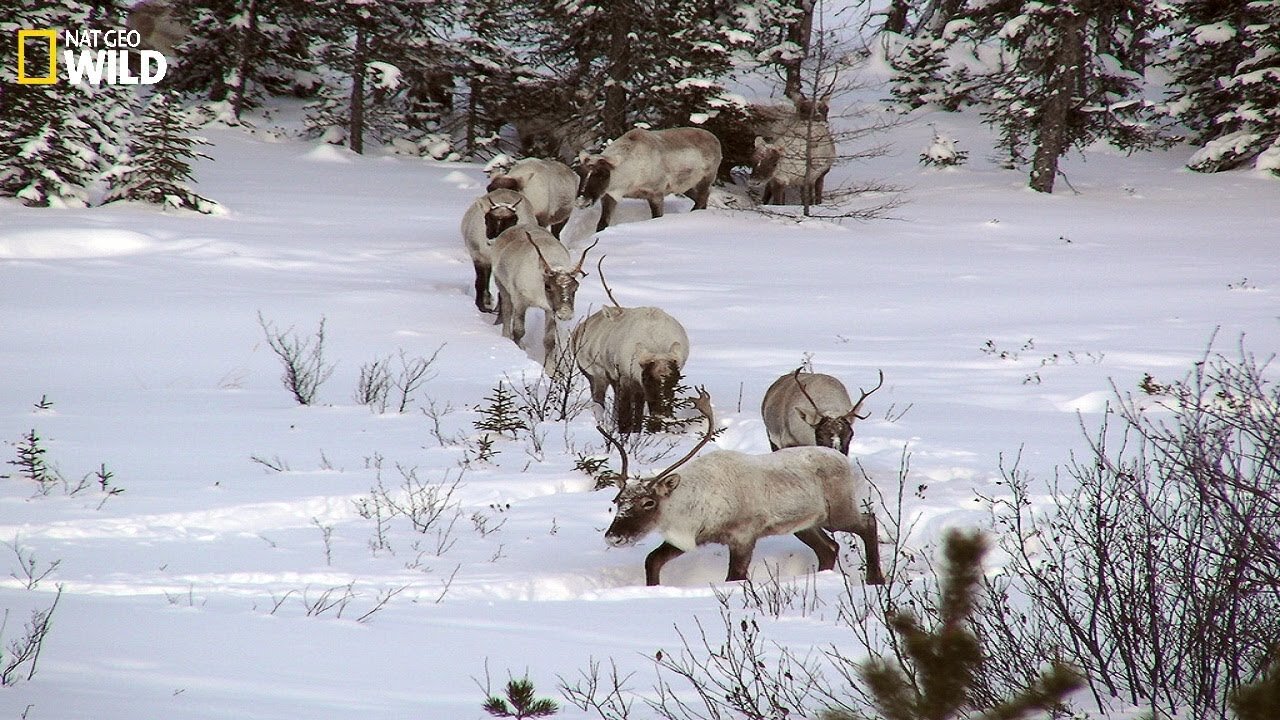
(91, 57)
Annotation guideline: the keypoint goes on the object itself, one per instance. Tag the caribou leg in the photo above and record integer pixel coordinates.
(628, 400)
(549, 343)
(700, 194)
(483, 299)
(504, 311)
(660, 556)
(607, 203)
(740, 560)
(515, 319)
(871, 544)
(822, 545)
(817, 187)
(655, 205)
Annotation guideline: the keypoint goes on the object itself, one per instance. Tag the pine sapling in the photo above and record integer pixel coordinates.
(520, 702)
(31, 463)
(501, 414)
(156, 167)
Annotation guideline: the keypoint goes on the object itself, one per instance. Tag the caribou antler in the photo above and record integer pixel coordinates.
(703, 405)
(545, 266)
(804, 392)
(607, 291)
(622, 453)
(865, 395)
(577, 269)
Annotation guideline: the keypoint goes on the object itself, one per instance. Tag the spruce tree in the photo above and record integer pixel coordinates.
(647, 61)
(379, 60)
(55, 139)
(1051, 76)
(1226, 78)
(239, 50)
(156, 167)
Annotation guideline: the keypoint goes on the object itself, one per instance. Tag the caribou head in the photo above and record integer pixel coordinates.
(560, 285)
(594, 172)
(499, 217)
(639, 502)
(833, 431)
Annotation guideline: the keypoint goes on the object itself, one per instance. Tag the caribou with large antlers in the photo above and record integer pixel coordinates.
(533, 270)
(802, 409)
(734, 499)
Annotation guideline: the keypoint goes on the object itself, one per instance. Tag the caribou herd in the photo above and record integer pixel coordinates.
(807, 486)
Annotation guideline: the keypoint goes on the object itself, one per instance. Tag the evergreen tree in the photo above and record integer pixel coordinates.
(647, 61)
(489, 54)
(240, 49)
(1226, 76)
(55, 139)
(1051, 75)
(155, 168)
(379, 61)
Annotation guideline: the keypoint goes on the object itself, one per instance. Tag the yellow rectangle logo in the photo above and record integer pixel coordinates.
(52, 39)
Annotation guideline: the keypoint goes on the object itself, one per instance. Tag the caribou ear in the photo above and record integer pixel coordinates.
(667, 484)
(809, 415)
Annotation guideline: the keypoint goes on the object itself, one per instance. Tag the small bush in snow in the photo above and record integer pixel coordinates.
(944, 661)
(31, 463)
(32, 466)
(942, 152)
(501, 412)
(376, 381)
(305, 369)
(520, 702)
(18, 657)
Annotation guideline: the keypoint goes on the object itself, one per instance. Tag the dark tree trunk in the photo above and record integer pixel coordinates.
(615, 93)
(358, 61)
(895, 20)
(1062, 81)
(798, 32)
(473, 112)
(248, 36)
(938, 13)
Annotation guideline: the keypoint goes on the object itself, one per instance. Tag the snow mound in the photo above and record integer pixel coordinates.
(325, 152)
(67, 243)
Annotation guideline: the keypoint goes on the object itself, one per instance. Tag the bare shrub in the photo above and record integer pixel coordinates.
(23, 653)
(560, 395)
(305, 369)
(32, 571)
(607, 696)
(429, 508)
(1157, 566)
(377, 381)
(741, 675)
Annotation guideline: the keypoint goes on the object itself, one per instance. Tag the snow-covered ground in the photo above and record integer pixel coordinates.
(187, 596)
